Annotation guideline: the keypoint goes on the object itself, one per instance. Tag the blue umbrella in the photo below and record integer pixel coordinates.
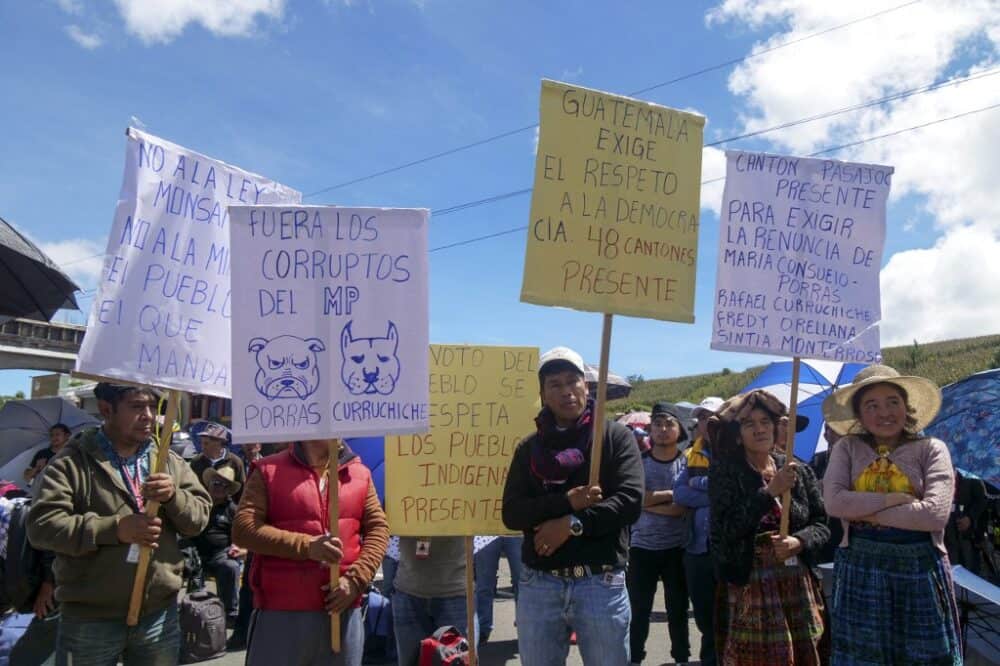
(969, 423)
(817, 379)
(371, 450)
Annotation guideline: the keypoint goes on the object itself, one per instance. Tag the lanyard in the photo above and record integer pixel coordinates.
(134, 483)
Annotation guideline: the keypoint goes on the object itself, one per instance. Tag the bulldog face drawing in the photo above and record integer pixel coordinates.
(370, 364)
(286, 366)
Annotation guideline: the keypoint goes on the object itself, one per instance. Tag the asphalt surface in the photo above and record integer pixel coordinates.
(502, 647)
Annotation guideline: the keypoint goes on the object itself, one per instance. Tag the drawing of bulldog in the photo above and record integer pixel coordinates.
(286, 366)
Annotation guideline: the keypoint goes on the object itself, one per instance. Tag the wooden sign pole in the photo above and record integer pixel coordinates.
(153, 508)
(602, 390)
(793, 408)
(333, 507)
(470, 600)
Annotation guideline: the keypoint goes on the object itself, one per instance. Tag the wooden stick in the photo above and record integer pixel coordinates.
(152, 508)
(470, 600)
(333, 506)
(602, 390)
(786, 497)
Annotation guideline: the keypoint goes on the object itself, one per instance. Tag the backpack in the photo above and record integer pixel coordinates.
(446, 647)
(380, 639)
(22, 567)
(202, 620)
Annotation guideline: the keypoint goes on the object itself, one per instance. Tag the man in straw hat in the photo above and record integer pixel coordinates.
(893, 488)
(575, 535)
(219, 557)
(214, 438)
(283, 520)
(90, 511)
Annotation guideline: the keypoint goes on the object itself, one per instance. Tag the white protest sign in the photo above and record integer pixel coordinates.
(800, 248)
(162, 309)
(330, 325)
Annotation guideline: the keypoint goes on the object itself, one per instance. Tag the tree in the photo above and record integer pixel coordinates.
(17, 396)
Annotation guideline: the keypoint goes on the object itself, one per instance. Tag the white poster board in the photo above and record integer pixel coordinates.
(162, 310)
(800, 249)
(330, 322)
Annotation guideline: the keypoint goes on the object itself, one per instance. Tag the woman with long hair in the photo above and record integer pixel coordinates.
(769, 606)
(893, 600)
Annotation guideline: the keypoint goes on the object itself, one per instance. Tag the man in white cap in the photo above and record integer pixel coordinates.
(575, 535)
(691, 491)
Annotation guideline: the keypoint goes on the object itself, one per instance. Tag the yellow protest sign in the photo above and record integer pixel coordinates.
(449, 482)
(614, 211)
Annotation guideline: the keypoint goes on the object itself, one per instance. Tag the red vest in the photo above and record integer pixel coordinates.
(295, 504)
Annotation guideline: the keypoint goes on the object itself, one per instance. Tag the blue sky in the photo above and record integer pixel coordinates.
(313, 94)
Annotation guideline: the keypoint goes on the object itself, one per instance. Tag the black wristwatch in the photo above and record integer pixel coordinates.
(575, 526)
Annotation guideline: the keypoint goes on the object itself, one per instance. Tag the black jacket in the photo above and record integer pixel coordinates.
(526, 503)
(738, 502)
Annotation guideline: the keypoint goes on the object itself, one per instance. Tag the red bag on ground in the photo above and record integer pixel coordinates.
(446, 647)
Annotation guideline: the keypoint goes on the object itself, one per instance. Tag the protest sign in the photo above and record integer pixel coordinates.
(162, 309)
(449, 482)
(329, 322)
(615, 205)
(800, 248)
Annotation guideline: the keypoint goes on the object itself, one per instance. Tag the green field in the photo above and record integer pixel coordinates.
(942, 362)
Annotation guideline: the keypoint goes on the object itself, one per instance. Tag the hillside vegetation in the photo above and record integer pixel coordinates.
(942, 362)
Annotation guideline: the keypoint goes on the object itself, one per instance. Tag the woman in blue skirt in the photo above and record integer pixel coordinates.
(893, 600)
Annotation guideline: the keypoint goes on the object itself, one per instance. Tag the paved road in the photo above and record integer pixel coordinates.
(502, 648)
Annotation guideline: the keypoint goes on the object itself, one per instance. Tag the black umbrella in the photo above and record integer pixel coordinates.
(31, 285)
(618, 387)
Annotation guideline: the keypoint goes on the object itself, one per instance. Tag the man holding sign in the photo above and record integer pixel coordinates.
(89, 510)
(576, 537)
(282, 519)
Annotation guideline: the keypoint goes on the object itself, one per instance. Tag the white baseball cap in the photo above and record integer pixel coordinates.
(561, 354)
(710, 404)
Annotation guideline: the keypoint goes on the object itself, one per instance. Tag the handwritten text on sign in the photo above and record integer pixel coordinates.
(450, 481)
(329, 322)
(800, 248)
(162, 310)
(614, 211)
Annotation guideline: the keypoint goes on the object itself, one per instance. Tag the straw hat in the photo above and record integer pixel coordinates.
(922, 396)
(225, 473)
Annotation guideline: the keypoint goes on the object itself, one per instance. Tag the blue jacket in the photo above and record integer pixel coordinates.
(691, 490)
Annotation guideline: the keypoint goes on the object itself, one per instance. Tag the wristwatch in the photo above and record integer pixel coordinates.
(575, 526)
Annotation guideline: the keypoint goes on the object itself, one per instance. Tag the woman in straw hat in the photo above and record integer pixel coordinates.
(769, 606)
(893, 600)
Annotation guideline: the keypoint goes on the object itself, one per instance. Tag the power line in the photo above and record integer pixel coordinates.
(683, 77)
(476, 239)
(792, 123)
(862, 105)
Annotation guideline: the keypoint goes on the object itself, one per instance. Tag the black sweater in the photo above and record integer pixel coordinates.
(738, 502)
(526, 504)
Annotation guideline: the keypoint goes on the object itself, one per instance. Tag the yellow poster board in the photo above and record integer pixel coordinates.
(449, 482)
(615, 206)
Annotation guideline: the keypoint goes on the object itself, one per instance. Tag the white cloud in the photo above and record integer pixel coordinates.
(713, 168)
(89, 41)
(72, 7)
(80, 258)
(164, 20)
(948, 291)
(948, 168)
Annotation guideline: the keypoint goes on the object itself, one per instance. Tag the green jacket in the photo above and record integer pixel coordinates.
(75, 514)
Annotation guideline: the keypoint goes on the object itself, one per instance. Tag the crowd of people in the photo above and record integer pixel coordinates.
(696, 507)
